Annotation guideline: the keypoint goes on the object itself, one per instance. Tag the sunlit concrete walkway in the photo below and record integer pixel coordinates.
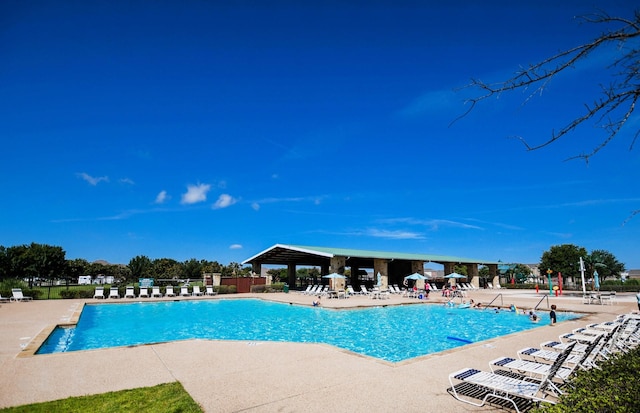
(227, 376)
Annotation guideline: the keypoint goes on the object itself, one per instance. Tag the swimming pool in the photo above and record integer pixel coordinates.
(392, 333)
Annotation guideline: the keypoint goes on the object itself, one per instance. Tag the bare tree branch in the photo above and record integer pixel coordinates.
(618, 102)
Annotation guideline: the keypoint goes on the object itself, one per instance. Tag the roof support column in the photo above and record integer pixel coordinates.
(337, 265)
(353, 279)
(472, 274)
(418, 267)
(381, 266)
(493, 272)
(291, 275)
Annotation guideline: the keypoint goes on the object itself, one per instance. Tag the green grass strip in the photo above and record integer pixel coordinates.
(169, 398)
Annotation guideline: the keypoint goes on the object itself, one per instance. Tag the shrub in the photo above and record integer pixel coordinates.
(226, 289)
(612, 388)
(69, 294)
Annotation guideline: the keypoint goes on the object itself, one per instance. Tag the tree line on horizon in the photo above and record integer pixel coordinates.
(41, 263)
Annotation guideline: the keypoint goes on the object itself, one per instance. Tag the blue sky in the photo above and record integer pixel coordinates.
(213, 130)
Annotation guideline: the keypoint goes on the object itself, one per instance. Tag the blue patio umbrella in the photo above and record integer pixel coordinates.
(416, 276)
(596, 280)
(334, 276)
(454, 275)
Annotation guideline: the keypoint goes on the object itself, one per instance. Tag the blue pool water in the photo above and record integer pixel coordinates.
(392, 333)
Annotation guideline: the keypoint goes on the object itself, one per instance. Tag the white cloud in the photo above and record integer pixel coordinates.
(255, 206)
(224, 201)
(127, 181)
(434, 224)
(93, 180)
(162, 197)
(195, 194)
(235, 247)
(378, 233)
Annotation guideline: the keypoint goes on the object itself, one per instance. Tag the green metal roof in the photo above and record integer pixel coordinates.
(282, 253)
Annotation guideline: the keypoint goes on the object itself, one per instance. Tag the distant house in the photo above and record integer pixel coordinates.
(84, 280)
(632, 275)
(103, 279)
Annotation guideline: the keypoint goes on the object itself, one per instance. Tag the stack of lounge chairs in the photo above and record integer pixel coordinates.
(540, 374)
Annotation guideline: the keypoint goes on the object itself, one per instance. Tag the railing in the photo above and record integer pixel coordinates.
(496, 297)
(541, 300)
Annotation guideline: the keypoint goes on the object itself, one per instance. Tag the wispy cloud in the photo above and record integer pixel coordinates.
(235, 247)
(92, 180)
(126, 181)
(433, 224)
(435, 101)
(224, 201)
(381, 233)
(195, 194)
(162, 197)
(376, 233)
(316, 200)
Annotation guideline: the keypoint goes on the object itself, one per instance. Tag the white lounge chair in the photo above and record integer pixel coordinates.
(114, 293)
(184, 291)
(130, 292)
(169, 291)
(16, 295)
(155, 292)
(305, 292)
(541, 368)
(144, 292)
(313, 290)
(471, 384)
(210, 291)
(4, 299)
(99, 293)
(196, 291)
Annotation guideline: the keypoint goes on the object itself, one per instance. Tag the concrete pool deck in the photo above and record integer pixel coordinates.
(227, 376)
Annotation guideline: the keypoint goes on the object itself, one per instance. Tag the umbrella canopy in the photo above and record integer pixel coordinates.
(334, 275)
(416, 276)
(455, 275)
(596, 280)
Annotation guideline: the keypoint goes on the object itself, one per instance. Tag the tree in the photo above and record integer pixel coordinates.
(277, 274)
(76, 268)
(192, 269)
(563, 258)
(166, 268)
(519, 272)
(604, 262)
(4, 263)
(140, 267)
(618, 100)
(36, 262)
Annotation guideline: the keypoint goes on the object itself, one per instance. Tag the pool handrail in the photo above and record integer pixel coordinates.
(495, 298)
(541, 300)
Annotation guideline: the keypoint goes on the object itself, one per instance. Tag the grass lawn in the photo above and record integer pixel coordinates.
(170, 397)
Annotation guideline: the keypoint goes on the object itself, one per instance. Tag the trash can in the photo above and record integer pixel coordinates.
(285, 288)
